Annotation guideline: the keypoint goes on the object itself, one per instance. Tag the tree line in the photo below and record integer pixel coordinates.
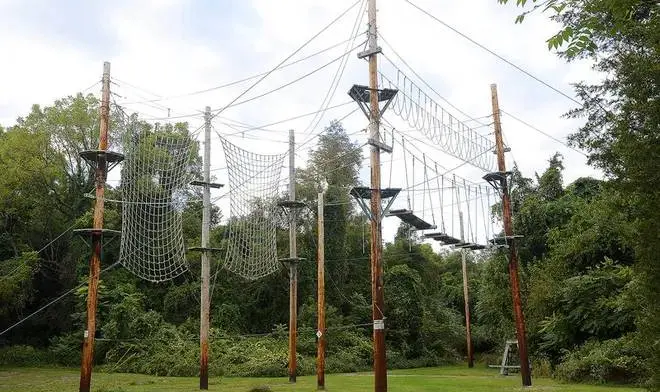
(589, 267)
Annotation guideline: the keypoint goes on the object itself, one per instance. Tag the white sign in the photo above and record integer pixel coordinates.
(319, 334)
(86, 334)
(379, 324)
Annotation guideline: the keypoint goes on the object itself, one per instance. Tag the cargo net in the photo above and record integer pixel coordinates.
(156, 171)
(253, 184)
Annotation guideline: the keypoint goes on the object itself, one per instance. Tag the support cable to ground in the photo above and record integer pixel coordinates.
(24, 319)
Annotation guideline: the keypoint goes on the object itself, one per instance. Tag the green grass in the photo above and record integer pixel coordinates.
(446, 379)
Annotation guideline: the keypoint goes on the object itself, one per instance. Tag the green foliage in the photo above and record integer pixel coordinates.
(592, 305)
(578, 274)
(21, 355)
(16, 287)
(622, 123)
(493, 307)
(615, 360)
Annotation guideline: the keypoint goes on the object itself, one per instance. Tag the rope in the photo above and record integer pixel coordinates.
(430, 198)
(253, 184)
(156, 171)
(443, 129)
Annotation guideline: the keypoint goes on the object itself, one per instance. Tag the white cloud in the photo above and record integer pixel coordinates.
(154, 47)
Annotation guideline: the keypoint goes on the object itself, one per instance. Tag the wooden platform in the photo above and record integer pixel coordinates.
(410, 218)
(443, 237)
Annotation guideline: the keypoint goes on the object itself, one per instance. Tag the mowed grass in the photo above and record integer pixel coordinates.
(446, 379)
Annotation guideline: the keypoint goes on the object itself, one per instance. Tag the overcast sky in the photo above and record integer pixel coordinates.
(172, 48)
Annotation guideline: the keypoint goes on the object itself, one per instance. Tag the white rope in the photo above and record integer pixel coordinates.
(427, 116)
(253, 187)
(157, 168)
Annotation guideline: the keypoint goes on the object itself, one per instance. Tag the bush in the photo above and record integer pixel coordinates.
(615, 360)
(65, 350)
(22, 356)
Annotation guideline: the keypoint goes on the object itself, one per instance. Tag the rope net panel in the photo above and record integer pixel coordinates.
(253, 184)
(156, 171)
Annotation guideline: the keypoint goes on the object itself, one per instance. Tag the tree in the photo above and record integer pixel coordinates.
(337, 161)
(622, 112)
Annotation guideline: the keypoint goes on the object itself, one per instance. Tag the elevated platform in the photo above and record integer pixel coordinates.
(97, 232)
(497, 179)
(504, 240)
(443, 237)
(363, 192)
(209, 184)
(410, 218)
(96, 158)
(470, 246)
(362, 95)
(102, 234)
(496, 176)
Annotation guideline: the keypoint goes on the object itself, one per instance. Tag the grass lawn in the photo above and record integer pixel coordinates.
(451, 378)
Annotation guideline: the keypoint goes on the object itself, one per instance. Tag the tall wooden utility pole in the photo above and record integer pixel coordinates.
(320, 303)
(377, 281)
(97, 237)
(205, 301)
(466, 297)
(293, 264)
(510, 240)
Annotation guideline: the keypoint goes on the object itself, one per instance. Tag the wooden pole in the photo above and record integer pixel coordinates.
(513, 255)
(293, 265)
(466, 298)
(205, 300)
(320, 279)
(97, 244)
(377, 280)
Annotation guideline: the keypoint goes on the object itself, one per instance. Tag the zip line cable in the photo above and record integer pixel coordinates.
(253, 85)
(239, 81)
(235, 102)
(8, 275)
(427, 13)
(340, 72)
(543, 133)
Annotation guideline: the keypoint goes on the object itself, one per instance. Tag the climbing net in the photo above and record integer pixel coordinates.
(253, 183)
(157, 168)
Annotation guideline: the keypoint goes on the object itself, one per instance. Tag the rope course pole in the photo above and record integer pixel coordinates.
(320, 322)
(293, 265)
(97, 239)
(466, 299)
(377, 279)
(205, 300)
(513, 254)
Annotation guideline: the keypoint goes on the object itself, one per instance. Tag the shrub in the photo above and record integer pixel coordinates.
(20, 355)
(614, 360)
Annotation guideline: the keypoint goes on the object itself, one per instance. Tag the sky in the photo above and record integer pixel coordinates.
(174, 53)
